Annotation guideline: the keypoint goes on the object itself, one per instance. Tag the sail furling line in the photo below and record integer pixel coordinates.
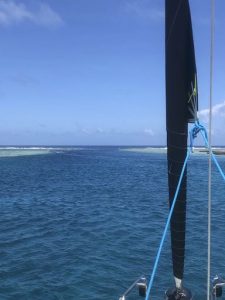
(181, 109)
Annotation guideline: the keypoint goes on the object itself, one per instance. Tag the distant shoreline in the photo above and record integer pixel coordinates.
(196, 150)
(12, 151)
(78, 146)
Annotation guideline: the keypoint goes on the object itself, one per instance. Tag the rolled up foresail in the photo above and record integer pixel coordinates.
(181, 108)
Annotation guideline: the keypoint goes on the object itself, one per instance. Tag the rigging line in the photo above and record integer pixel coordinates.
(194, 91)
(210, 148)
(193, 134)
(214, 158)
(167, 226)
(193, 99)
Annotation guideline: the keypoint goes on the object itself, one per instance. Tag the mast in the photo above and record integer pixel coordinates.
(181, 108)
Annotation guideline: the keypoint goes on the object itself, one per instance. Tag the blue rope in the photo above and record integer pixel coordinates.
(214, 158)
(193, 134)
(195, 130)
(166, 227)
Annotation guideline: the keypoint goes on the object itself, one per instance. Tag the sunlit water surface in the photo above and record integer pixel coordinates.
(84, 223)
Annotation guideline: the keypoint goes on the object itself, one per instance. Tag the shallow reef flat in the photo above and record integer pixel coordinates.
(196, 150)
(22, 152)
(146, 149)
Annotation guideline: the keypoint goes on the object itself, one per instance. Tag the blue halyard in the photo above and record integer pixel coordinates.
(193, 134)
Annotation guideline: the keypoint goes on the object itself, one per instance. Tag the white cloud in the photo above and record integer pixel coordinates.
(91, 131)
(149, 131)
(217, 110)
(141, 9)
(12, 12)
(99, 130)
(85, 131)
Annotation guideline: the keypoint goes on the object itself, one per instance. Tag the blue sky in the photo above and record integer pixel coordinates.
(91, 72)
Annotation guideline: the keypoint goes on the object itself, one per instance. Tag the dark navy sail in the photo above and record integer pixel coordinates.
(181, 108)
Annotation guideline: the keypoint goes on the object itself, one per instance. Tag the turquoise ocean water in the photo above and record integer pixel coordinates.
(84, 223)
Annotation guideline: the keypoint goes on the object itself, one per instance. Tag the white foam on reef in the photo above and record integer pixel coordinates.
(12, 151)
(146, 149)
(196, 150)
(204, 151)
(38, 148)
(22, 152)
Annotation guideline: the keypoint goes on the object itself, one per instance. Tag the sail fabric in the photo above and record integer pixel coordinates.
(181, 108)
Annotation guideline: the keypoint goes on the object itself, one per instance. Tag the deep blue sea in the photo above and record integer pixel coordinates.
(84, 223)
